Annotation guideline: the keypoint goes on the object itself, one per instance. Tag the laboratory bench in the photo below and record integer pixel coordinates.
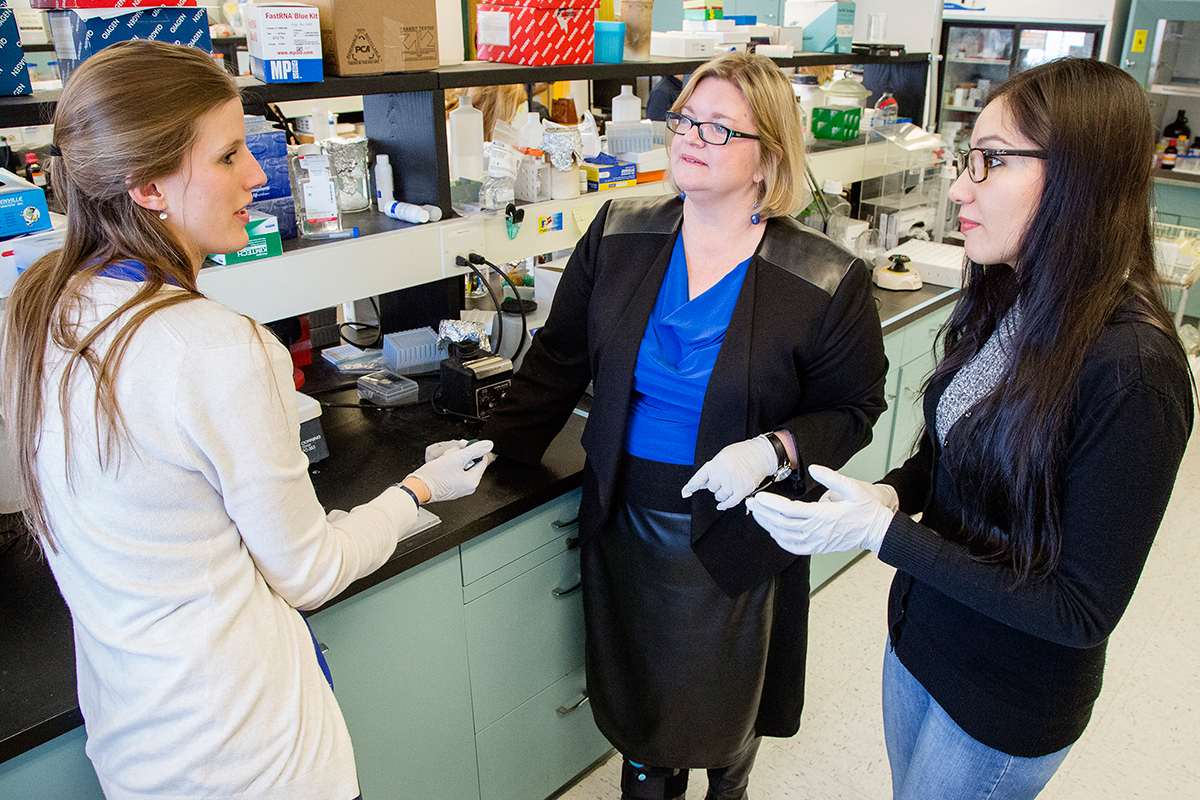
(458, 664)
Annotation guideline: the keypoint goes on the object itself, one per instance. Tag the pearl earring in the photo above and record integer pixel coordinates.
(162, 214)
(755, 218)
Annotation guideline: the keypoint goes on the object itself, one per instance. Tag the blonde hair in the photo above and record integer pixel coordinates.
(776, 119)
(126, 118)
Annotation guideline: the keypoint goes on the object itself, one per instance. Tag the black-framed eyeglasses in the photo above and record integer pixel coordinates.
(976, 160)
(711, 132)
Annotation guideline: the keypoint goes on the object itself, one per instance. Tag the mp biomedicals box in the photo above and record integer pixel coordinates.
(285, 42)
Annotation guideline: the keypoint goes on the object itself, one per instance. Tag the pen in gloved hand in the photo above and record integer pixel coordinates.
(471, 464)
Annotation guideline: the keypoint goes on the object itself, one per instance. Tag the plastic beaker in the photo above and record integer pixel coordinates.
(637, 16)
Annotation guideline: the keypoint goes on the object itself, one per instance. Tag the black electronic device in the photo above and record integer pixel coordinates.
(473, 381)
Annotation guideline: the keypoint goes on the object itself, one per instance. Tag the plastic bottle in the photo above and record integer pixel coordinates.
(1170, 155)
(626, 107)
(529, 135)
(33, 171)
(385, 187)
(1179, 127)
(466, 141)
(406, 212)
(887, 110)
(435, 213)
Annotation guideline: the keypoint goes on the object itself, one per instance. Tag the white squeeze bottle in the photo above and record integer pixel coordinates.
(385, 188)
(466, 141)
(626, 107)
(529, 135)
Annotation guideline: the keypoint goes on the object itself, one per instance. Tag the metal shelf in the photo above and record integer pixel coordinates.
(38, 108)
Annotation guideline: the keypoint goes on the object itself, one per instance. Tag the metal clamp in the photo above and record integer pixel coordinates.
(561, 592)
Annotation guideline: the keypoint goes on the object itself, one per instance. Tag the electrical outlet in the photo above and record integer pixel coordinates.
(11, 137)
(459, 238)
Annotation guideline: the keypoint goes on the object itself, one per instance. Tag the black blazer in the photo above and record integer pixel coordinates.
(803, 351)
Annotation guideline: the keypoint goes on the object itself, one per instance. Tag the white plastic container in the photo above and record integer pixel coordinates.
(385, 187)
(466, 141)
(529, 135)
(406, 212)
(626, 107)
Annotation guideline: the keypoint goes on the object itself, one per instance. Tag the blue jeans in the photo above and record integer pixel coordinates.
(934, 759)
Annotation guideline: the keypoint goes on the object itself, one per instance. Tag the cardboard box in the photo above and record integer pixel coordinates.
(537, 32)
(612, 175)
(368, 37)
(682, 44)
(14, 74)
(264, 241)
(22, 206)
(79, 33)
(284, 40)
(110, 3)
(828, 26)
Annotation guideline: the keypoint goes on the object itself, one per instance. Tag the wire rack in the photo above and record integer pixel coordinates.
(1178, 250)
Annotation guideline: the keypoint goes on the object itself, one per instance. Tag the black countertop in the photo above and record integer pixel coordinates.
(370, 449)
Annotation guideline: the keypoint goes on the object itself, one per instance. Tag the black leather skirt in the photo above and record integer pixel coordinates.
(675, 667)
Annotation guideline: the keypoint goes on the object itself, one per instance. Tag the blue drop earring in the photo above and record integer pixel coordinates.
(755, 218)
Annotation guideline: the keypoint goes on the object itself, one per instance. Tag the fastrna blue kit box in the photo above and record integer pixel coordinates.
(14, 75)
(82, 32)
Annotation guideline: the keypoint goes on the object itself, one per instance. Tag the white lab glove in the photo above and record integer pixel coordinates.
(441, 448)
(854, 514)
(735, 472)
(448, 476)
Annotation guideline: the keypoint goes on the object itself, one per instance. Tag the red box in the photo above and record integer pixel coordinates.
(109, 3)
(537, 32)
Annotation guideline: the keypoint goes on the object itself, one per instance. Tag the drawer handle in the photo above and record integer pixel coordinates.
(563, 710)
(561, 592)
(563, 524)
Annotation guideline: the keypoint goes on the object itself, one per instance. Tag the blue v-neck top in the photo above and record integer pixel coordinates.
(675, 362)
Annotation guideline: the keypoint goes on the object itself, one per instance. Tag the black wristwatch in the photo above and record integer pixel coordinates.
(785, 461)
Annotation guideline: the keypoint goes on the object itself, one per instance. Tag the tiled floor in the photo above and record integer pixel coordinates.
(1144, 738)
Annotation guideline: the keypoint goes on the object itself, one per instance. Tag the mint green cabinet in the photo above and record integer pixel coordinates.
(398, 656)
(524, 620)
(57, 769)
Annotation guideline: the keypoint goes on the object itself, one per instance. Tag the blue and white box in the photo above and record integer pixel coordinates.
(22, 206)
(268, 145)
(284, 40)
(828, 26)
(14, 74)
(82, 32)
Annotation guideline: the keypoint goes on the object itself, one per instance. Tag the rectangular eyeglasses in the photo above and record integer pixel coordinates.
(975, 161)
(711, 132)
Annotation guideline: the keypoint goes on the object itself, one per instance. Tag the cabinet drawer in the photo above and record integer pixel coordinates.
(524, 636)
(893, 348)
(541, 745)
(519, 537)
(920, 334)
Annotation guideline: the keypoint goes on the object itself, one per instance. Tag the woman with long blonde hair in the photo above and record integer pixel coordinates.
(157, 445)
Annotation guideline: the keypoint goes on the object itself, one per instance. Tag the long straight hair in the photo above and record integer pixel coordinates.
(127, 117)
(1087, 257)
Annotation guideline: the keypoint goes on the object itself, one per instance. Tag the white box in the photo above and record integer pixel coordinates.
(769, 31)
(649, 161)
(935, 263)
(708, 25)
(729, 37)
(793, 34)
(284, 40)
(681, 44)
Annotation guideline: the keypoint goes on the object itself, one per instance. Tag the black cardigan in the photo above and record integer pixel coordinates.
(803, 351)
(1019, 668)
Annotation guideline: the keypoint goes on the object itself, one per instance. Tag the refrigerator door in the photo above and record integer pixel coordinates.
(1039, 45)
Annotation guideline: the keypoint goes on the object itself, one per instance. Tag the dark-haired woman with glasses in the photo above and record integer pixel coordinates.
(729, 347)
(1054, 427)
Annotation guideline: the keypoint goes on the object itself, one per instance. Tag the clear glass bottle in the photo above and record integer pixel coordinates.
(314, 191)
